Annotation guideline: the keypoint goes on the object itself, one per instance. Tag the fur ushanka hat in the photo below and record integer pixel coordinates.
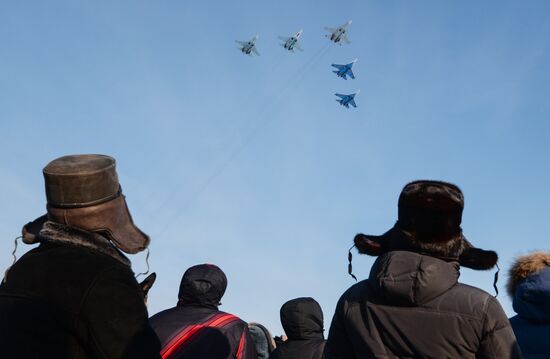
(429, 218)
(525, 266)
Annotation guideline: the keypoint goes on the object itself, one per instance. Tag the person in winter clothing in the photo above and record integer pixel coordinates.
(412, 305)
(195, 328)
(302, 320)
(529, 286)
(75, 295)
(263, 340)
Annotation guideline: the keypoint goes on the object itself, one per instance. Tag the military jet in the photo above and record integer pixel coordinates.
(346, 100)
(338, 34)
(248, 47)
(290, 43)
(344, 70)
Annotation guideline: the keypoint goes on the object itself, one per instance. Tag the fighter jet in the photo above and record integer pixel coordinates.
(290, 43)
(338, 34)
(346, 100)
(248, 47)
(344, 70)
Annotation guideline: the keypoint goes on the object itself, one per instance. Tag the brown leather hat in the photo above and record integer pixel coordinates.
(83, 191)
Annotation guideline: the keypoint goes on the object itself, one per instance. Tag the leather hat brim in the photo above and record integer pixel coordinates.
(111, 219)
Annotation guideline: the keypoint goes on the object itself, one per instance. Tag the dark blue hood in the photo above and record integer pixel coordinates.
(532, 297)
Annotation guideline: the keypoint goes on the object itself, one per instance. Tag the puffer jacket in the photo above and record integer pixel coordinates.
(532, 322)
(302, 320)
(74, 296)
(413, 307)
(201, 290)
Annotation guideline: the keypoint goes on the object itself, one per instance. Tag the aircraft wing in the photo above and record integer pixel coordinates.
(242, 43)
(339, 67)
(340, 95)
(350, 74)
(254, 50)
(352, 102)
(297, 45)
(331, 29)
(283, 38)
(345, 38)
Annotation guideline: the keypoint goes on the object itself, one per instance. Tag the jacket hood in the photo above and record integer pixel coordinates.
(403, 278)
(202, 285)
(532, 297)
(302, 318)
(524, 266)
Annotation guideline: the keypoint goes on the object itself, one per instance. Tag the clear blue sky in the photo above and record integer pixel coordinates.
(248, 162)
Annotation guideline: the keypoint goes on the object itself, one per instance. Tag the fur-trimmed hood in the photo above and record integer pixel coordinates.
(525, 266)
(529, 286)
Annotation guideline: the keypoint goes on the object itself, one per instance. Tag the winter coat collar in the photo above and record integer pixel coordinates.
(532, 297)
(52, 232)
(404, 278)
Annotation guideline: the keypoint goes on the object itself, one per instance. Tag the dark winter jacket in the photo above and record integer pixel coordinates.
(201, 290)
(263, 341)
(413, 307)
(532, 322)
(74, 296)
(302, 320)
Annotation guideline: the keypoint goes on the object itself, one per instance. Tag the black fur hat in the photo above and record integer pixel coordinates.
(429, 217)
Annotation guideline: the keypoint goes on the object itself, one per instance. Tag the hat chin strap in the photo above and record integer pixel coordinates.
(350, 257)
(147, 263)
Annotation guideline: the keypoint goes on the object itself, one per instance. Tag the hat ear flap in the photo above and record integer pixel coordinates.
(478, 259)
(366, 245)
(30, 231)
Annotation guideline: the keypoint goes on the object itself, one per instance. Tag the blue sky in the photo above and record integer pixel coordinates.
(248, 162)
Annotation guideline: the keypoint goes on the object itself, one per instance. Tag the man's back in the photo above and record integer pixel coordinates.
(65, 294)
(413, 307)
(207, 333)
(195, 328)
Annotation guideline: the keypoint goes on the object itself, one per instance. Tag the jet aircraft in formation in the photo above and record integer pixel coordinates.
(344, 70)
(291, 43)
(346, 100)
(338, 34)
(248, 47)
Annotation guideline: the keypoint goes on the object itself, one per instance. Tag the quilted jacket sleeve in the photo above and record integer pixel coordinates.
(338, 345)
(499, 340)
